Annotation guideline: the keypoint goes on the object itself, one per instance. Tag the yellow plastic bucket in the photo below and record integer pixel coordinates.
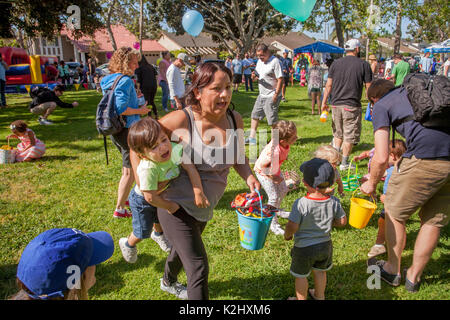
(361, 211)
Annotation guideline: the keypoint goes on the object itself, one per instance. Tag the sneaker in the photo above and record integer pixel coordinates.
(283, 214)
(344, 167)
(44, 122)
(129, 254)
(122, 213)
(409, 286)
(276, 228)
(166, 110)
(376, 250)
(391, 279)
(250, 141)
(176, 289)
(161, 240)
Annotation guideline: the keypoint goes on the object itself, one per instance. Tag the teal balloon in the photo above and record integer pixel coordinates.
(298, 9)
(193, 22)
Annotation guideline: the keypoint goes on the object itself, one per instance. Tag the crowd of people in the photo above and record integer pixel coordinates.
(174, 171)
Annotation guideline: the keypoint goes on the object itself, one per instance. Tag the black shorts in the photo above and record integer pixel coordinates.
(287, 79)
(120, 141)
(237, 78)
(318, 257)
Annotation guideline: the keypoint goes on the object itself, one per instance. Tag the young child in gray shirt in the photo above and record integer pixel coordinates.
(310, 223)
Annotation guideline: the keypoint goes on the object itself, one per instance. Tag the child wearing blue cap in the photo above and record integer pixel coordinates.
(59, 264)
(310, 223)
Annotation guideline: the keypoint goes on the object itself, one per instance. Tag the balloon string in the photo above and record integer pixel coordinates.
(195, 45)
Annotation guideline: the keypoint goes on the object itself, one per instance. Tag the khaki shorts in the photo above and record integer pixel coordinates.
(420, 183)
(347, 123)
(42, 108)
(264, 107)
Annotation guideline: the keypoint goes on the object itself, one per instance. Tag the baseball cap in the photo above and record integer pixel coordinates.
(183, 56)
(317, 172)
(50, 261)
(352, 44)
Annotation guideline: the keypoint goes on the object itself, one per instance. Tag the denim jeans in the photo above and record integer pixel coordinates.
(248, 80)
(165, 93)
(2, 92)
(144, 215)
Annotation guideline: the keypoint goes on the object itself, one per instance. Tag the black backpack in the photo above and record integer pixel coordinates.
(37, 91)
(429, 97)
(107, 121)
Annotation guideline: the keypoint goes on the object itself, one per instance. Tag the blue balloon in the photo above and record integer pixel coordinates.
(298, 9)
(193, 22)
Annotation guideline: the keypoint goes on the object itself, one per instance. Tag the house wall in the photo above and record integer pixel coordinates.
(67, 47)
(281, 47)
(152, 56)
(45, 47)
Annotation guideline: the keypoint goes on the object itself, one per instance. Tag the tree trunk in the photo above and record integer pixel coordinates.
(337, 23)
(398, 27)
(141, 22)
(108, 24)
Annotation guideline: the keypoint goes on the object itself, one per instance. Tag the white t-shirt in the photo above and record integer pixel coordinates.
(447, 64)
(268, 72)
(175, 81)
(389, 66)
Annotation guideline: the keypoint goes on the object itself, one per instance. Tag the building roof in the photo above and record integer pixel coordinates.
(291, 40)
(186, 40)
(122, 36)
(403, 47)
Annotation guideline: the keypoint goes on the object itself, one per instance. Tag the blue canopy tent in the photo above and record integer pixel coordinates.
(319, 47)
(443, 47)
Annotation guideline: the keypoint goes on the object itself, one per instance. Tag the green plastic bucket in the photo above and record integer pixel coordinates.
(351, 182)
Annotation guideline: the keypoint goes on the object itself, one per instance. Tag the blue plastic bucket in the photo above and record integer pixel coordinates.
(253, 231)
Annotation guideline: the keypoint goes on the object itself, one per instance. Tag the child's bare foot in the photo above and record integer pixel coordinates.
(292, 298)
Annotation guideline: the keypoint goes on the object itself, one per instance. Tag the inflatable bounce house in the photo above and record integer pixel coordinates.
(26, 72)
(302, 61)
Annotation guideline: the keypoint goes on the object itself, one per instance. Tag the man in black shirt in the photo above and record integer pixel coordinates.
(421, 180)
(346, 77)
(45, 101)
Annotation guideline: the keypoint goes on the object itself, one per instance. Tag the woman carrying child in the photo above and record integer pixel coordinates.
(30, 148)
(268, 167)
(204, 129)
(160, 160)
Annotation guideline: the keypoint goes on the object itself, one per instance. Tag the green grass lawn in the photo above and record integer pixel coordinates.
(72, 187)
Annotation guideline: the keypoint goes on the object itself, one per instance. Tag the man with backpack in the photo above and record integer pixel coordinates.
(421, 178)
(44, 102)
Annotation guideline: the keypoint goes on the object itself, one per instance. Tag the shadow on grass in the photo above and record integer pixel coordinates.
(110, 275)
(344, 282)
(56, 158)
(8, 285)
(319, 139)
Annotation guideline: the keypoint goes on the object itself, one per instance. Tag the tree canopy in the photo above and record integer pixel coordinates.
(47, 17)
